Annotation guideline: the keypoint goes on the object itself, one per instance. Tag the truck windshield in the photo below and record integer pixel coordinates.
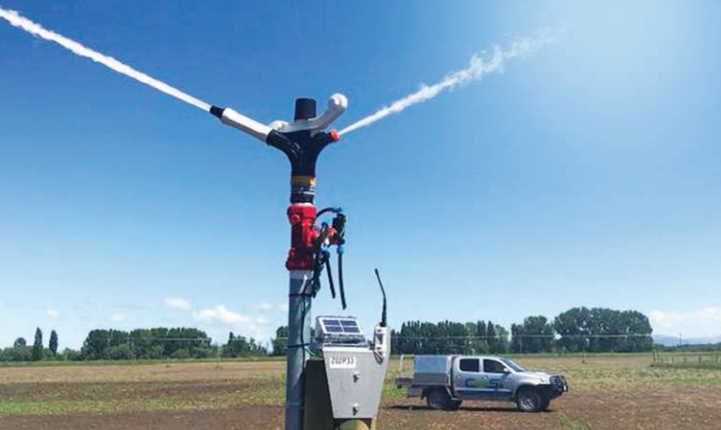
(512, 365)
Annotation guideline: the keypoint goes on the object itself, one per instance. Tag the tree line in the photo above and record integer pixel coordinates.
(154, 343)
(21, 351)
(576, 330)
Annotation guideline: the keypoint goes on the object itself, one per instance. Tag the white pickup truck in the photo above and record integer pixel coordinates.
(446, 380)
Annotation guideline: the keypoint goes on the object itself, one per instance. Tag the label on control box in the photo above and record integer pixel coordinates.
(342, 362)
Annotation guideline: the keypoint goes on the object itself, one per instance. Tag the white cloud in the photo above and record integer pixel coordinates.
(283, 307)
(262, 320)
(118, 317)
(264, 306)
(222, 314)
(177, 303)
(53, 313)
(694, 323)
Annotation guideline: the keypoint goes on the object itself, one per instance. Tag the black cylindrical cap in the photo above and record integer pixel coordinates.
(304, 108)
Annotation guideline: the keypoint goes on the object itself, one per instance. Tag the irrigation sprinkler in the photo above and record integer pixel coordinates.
(352, 372)
(350, 378)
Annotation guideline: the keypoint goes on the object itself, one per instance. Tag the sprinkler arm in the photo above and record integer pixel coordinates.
(235, 119)
(337, 104)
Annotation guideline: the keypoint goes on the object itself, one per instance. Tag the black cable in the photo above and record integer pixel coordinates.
(304, 310)
(340, 280)
(322, 211)
(330, 277)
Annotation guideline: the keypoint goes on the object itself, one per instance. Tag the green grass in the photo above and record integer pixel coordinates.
(126, 389)
(570, 423)
(53, 363)
(116, 398)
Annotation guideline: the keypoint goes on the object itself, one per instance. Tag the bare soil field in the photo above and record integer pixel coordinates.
(607, 392)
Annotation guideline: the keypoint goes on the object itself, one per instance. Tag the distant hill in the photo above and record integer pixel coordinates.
(675, 340)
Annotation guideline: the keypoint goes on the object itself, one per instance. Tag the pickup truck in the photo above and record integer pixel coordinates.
(446, 380)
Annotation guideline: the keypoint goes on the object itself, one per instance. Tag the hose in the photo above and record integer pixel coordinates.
(330, 277)
(340, 277)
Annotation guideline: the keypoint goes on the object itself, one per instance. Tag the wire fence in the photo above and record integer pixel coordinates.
(518, 343)
(700, 359)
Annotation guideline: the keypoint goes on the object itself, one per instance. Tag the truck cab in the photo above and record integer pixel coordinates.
(445, 381)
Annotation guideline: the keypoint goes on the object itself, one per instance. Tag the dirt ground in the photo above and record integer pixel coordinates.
(607, 392)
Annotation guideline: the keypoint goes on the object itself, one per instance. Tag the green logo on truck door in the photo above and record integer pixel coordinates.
(481, 382)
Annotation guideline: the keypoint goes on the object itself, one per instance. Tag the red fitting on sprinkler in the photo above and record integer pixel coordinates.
(302, 235)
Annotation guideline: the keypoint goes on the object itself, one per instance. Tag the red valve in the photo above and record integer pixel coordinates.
(302, 236)
(334, 135)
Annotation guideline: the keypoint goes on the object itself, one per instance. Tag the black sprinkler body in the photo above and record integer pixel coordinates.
(301, 141)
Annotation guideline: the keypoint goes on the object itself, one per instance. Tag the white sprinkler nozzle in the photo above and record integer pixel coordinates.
(337, 104)
(241, 122)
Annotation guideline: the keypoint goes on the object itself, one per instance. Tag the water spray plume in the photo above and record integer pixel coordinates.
(477, 69)
(21, 22)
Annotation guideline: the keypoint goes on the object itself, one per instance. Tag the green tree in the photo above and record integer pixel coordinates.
(95, 344)
(481, 336)
(280, 341)
(603, 330)
(53, 345)
(37, 352)
(71, 355)
(239, 346)
(574, 327)
(516, 338)
(539, 333)
(492, 340)
(19, 353)
(20, 342)
(502, 345)
(119, 352)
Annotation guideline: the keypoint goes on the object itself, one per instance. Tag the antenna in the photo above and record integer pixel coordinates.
(384, 317)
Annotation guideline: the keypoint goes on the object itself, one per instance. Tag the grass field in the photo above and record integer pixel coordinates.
(607, 392)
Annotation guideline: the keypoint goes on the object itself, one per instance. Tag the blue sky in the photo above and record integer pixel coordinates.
(584, 174)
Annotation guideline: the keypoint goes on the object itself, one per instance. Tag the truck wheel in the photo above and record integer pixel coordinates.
(529, 400)
(438, 398)
(454, 405)
(545, 402)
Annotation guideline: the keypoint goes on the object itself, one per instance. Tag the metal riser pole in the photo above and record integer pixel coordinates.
(298, 333)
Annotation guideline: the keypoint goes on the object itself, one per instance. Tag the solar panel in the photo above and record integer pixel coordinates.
(339, 330)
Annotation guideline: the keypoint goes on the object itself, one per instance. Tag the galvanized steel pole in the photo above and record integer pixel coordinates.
(298, 334)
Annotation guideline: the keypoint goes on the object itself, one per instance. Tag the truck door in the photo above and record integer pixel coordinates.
(496, 373)
(469, 380)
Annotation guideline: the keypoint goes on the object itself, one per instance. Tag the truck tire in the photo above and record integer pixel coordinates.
(438, 398)
(454, 405)
(529, 400)
(545, 402)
